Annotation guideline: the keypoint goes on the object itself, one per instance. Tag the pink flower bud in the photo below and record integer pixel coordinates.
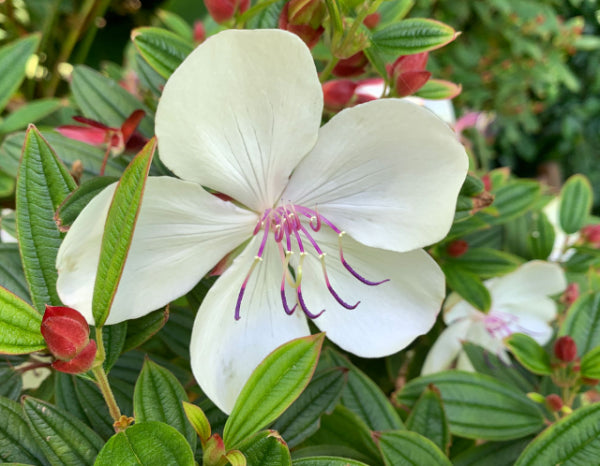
(306, 12)
(457, 248)
(80, 363)
(565, 349)
(223, 10)
(199, 32)
(554, 402)
(591, 234)
(309, 35)
(408, 73)
(352, 66)
(571, 294)
(372, 20)
(338, 93)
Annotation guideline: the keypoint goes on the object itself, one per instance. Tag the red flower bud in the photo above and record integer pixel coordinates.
(199, 32)
(590, 382)
(408, 73)
(457, 248)
(338, 93)
(67, 336)
(309, 35)
(591, 234)
(372, 20)
(565, 349)
(223, 10)
(487, 182)
(554, 402)
(352, 66)
(571, 294)
(306, 12)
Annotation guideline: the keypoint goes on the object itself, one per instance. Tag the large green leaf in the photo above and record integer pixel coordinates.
(574, 440)
(16, 444)
(541, 236)
(63, 438)
(576, 199)
(13, 60)
(42, 185)
(487, 262)
(158, 396)
(479, 406)
(272, 387)
(163, 50)
(104, 100)
(147, 444)
(583, 322)
(512, 200)
(302, 418)
(326, 461)
(413, 35)
(141, 329)
(492, 453)
(529, 353)
(468, 285)
(19, 325)
(118, 231)
(429, 419)
(266, 449)
(590, 364)
(403, 448)
(29, 113)
(12, 276)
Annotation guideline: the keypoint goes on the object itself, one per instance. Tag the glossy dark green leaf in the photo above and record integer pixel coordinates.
(413, 35)
(468, 285)
(403, 448)
(163, 50)
(141, 329)
(529, 353)
(114, 340)
(12, 381)
(272, 388)
(12, 276)
(574, 440)
(266, 448)
(576, 198)
(42, 185)
(62, 437)
(492, 453)
(362, 396)
(13, 60)
(479, 406)
(118, 231)
(89, 401)
(19, 325)
(583, 322)
(302, 418)
(326, 461)
(74, 203)
(159, 397)
(590, 364)
(31, 112)
(487, 262)
(16, 443)
(147, 444)
(428, 418)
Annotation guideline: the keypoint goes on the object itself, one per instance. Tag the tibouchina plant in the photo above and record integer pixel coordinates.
(521, 302)
(328, 223)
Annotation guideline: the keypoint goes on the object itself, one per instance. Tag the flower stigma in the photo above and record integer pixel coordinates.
(289, 224)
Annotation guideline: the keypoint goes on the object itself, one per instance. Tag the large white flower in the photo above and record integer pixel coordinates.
(520, 303)
(241, 116)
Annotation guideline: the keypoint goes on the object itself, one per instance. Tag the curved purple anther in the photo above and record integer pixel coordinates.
(340, 300)
(286, 308)
(278, 233)
(259, 224)
(317, 217)
(239, 302)
(357, 275)
(309, 314)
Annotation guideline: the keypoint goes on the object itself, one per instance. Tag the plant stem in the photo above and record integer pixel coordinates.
(360, 17)
(102, 380)
(328, 69)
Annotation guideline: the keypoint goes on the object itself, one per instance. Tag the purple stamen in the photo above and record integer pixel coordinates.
(309, 314)
(257, 259)
(331, 290)
(286, 308)
(354, 273)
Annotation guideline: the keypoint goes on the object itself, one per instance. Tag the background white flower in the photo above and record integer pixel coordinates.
(520, 303)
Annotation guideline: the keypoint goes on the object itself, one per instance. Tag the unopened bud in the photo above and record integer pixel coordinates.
(223, 10)
(309, 35)
(554, 402)
(214, 450)
(457, 248)
(352, 66)
(590, 382)
(408, 73)
(571, 294)
(199, 32)
(591, 234)
(565, 349)
(338, 93)
(306, 12)
(372, 20)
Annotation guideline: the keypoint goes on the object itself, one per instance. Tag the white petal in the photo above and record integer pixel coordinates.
(224, 352)
(390, 315)
(387, 172)
(446, 348)
(455, 308)
(181, 233)
(240, 112)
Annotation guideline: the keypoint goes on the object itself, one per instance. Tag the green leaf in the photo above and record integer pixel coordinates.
(576, 198)
(74, 203)
(438, 89)
(31, 112)
(12, 380)
(42, 185)
(198, 420)
(163, 50)
(13, 60)
(158, 396)
(479, 406)
(413, 35)
(428, 418)
(63, 438)
(492, 453)
(19, 325)
(540, 238)
(487, 262)
(512, 200)
(590, 364)
(326, 461)
(583, 322)
(266, 449)
(118, 231)
(273, 387)
(574, 440)
(364, 397)
(12, 276)
(7, 185)
(302, 418)
(402, 448)
(176, 24)
(16, 444)
(102, 99)
(468, 285)
(147, 444)
(89, 398)
(113, 337)
(141, 329)
(529, 353)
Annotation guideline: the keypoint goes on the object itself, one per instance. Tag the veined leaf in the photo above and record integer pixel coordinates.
(266, 448)
(428, 418)
(16, 444)
(29, 113)
(529, 353)
(163, 50)
(19, 325)
(13, 60)
(576, 198)
(403, 448)
(583, 322)
(413, 35)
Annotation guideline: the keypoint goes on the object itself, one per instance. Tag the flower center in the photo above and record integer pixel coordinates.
(498, 324)
(290, 225)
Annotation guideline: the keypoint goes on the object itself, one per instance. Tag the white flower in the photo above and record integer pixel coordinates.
(241, 116)
(520, 303)
(562, 241)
